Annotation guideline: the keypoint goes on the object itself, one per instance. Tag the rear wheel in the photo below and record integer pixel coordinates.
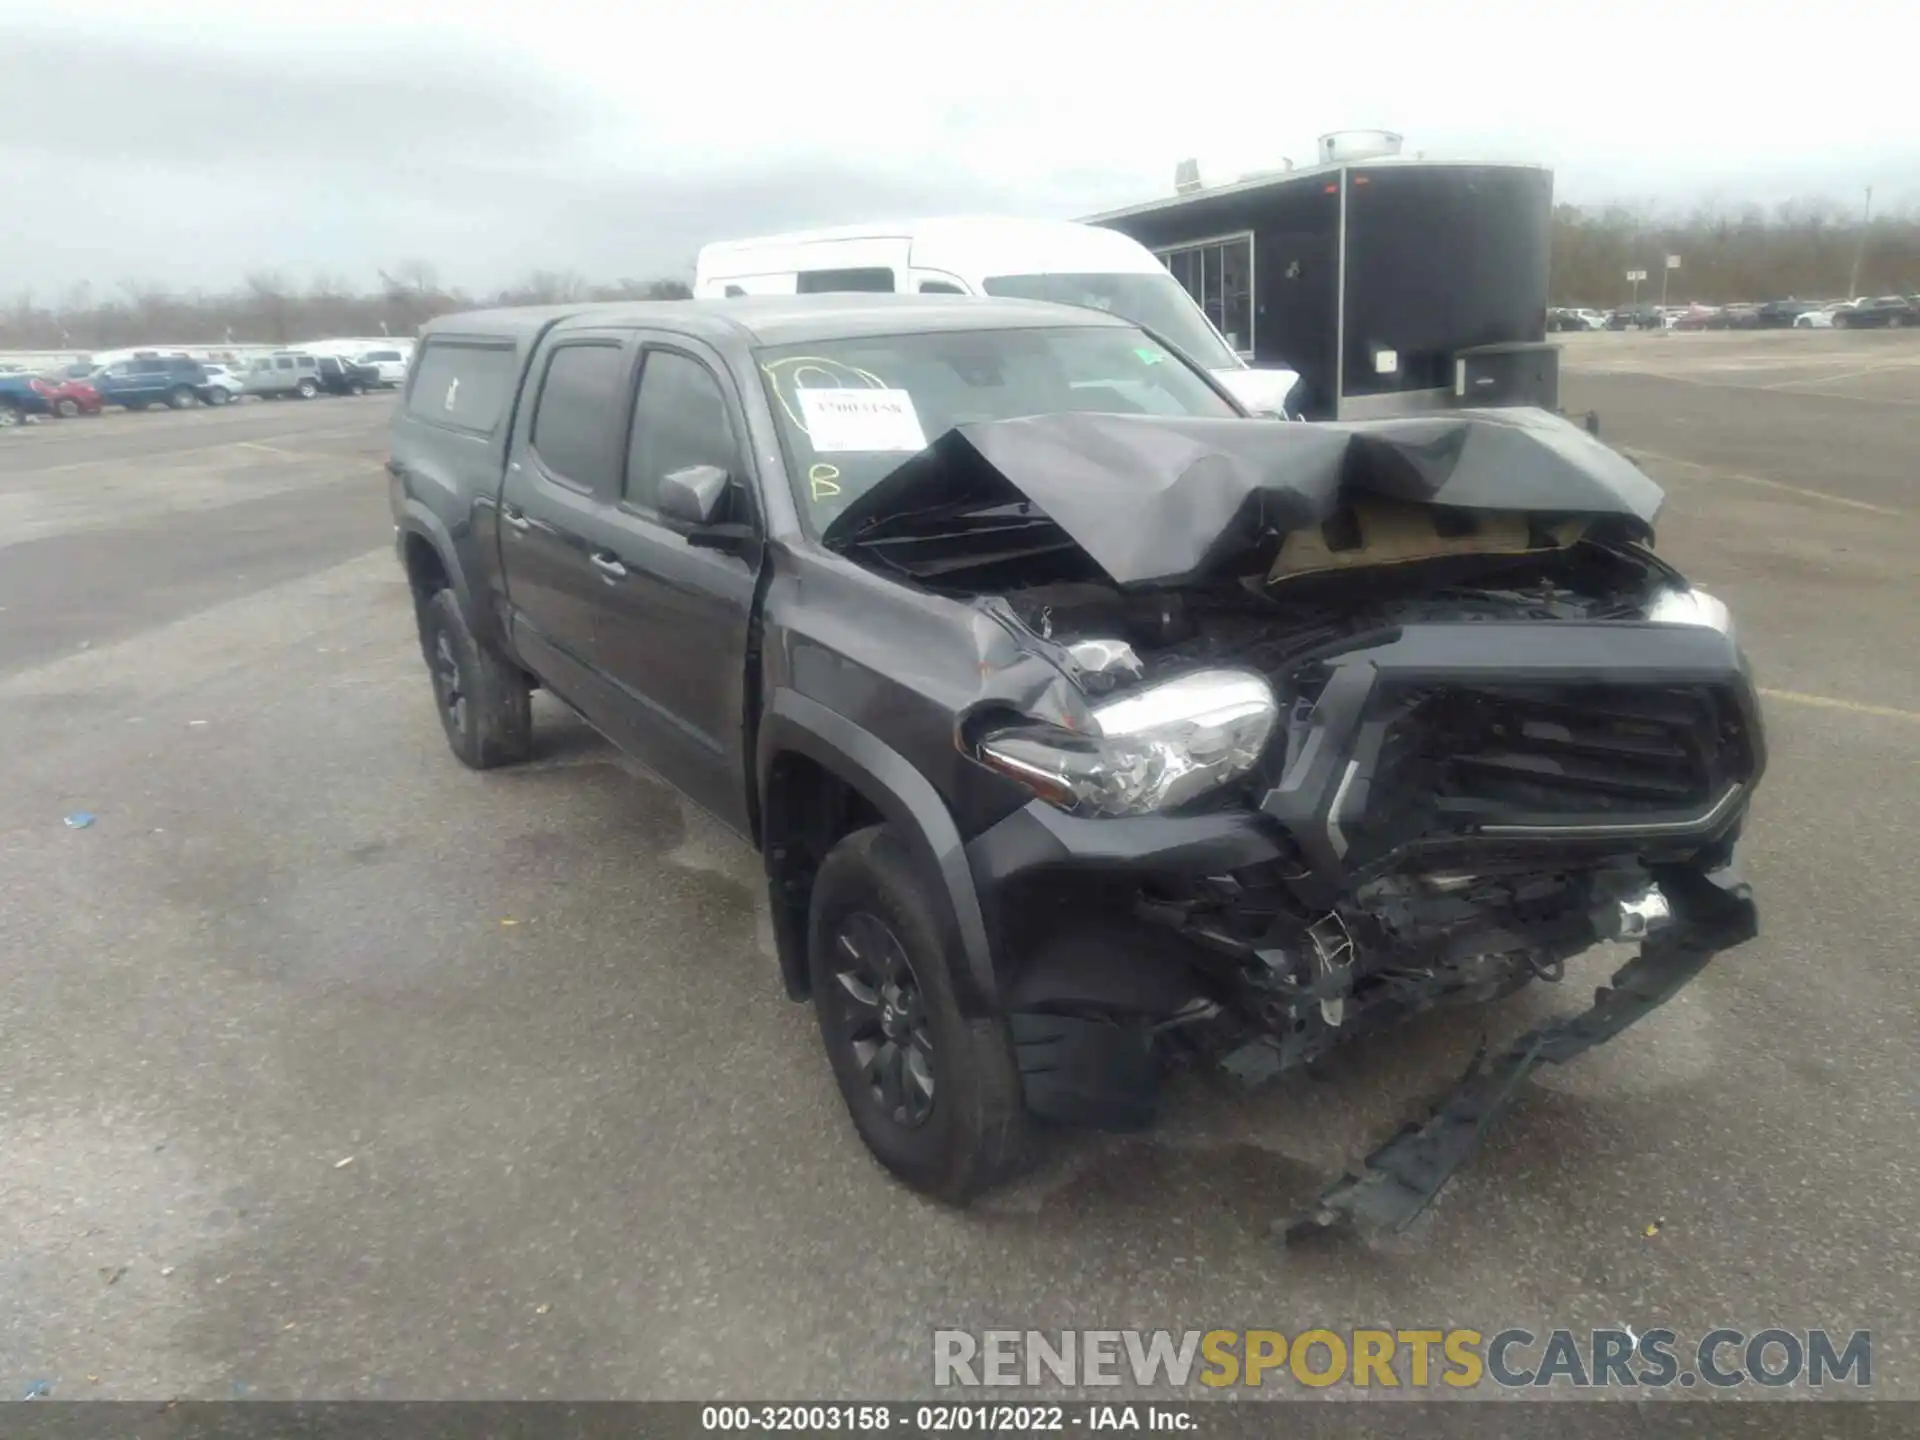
(217, 396)
(67, 409)
(306, 389)
(180, 398)
(485, 703)
(934, 1094)
(1894, 322)
(9, 415)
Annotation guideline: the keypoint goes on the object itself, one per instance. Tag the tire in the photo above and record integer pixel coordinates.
(9, 415)
(67, 409)
(965, 1127)
(356, 389)
(485, 704)
(180, 398)
(218, 396)
(1894, 322)
(306, 389)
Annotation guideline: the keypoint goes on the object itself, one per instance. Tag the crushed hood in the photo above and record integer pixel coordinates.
(1157, 501)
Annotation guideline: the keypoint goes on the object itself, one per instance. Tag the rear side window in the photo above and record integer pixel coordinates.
(940, 287)
(284, 362)
(873, 280)
(462, 385)
(574, 424)
(679, 420)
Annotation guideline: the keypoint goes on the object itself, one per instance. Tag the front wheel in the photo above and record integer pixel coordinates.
(217, 396)
(485, 704)
(67, 409)
(180, 398)
(934, 1094)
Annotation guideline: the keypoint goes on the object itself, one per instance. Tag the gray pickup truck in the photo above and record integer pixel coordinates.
(1089, 728)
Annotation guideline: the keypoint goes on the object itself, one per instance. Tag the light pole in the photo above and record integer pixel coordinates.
(1860, 250)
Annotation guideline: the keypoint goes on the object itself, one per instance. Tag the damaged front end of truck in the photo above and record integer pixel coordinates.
(1324, 726)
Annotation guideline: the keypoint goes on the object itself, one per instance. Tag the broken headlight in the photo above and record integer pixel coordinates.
(1692, 607)
(1150, 750)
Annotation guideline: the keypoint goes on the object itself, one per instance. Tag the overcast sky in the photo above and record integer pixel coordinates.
(495, 139)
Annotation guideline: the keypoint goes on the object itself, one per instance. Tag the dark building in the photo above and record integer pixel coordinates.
(1394, 285)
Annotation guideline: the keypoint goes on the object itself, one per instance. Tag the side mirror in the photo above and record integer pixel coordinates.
(693, 496)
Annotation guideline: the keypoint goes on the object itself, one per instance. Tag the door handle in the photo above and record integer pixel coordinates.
(607, 563)
(514, 516)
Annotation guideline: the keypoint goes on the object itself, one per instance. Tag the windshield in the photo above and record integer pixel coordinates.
(1156, 301)
(850, 411)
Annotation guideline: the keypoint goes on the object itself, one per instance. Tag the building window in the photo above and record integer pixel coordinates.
(1218, 274)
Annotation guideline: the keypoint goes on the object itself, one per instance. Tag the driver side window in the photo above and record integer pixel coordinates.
(679, 419)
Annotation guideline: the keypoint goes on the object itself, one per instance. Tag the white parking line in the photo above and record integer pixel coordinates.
(1717, 473)
(1833, 702)
(1879, 369)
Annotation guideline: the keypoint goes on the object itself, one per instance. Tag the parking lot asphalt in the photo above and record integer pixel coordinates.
(330, 1069)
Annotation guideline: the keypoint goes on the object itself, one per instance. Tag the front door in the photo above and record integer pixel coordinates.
(674, 624)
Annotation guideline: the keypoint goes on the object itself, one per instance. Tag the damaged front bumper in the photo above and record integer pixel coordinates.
(1257, 936)
(1710, 913)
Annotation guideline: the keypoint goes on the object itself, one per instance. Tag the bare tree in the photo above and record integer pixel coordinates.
(269, 307)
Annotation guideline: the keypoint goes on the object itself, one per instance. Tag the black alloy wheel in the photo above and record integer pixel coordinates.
(882, 1018)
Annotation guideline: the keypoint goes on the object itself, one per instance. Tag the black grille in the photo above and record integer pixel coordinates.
(1616, 752)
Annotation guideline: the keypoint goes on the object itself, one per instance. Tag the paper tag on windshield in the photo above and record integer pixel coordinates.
(852, 420)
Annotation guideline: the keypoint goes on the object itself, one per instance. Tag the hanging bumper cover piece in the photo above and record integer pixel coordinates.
(1401, 1178)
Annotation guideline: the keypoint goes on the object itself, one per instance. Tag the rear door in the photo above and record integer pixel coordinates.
(675, 616)
(563, 479)
(149, 381)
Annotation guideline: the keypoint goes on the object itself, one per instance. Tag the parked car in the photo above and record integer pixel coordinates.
(1884, 312)
(1820, 317)
(1575, 319)
(1635, 317)
(1059, 770)
(140, 383)
(1778, 314)
(283, 373)
(221, 386)
(1694, 317)
(391, 364)
(69, 397)
(1735, 317)
(344, 377)
(20, 397)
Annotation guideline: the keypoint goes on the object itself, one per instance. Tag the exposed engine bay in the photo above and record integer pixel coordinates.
(1393, 725)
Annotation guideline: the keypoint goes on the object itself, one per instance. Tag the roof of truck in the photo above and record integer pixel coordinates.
(781, 319)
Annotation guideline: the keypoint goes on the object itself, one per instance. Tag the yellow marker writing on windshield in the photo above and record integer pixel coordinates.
(824, 479)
